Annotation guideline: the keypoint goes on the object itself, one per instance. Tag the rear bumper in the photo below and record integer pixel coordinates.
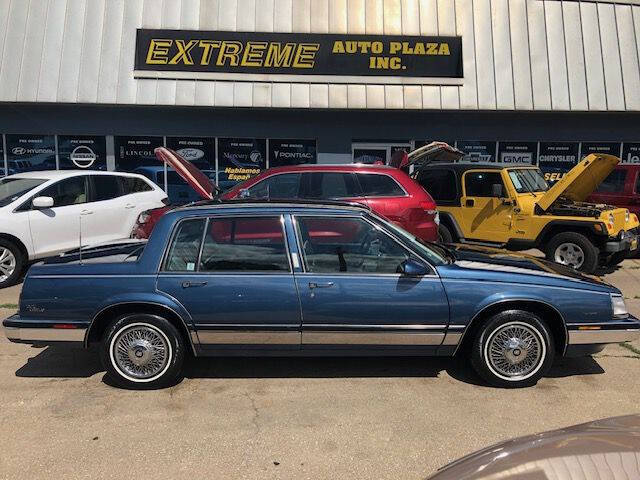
(38, 332)
(628, 242)
(425, 231)
(617, 331)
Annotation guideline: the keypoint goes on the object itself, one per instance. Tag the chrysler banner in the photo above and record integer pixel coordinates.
(557, 158)
(302, 57)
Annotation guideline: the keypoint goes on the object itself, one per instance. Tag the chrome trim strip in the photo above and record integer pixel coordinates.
(485, 282)
(45, 334)
(452, 339)
(233, 326)
(582, 337)
(333, 326)
(627, 323)
(457, 327)
(371, 338)
(234, 337)
(91, 276)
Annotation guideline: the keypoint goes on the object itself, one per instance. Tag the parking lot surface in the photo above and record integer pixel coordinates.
(288, 418)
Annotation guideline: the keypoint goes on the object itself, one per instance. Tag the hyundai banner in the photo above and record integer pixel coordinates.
(82, 152)
(26, 153)
(298, 57)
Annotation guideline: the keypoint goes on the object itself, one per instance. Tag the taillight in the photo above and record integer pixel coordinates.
(143, 218)
(166, 201)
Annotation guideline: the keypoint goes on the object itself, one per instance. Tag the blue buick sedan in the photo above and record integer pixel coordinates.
(312, 279)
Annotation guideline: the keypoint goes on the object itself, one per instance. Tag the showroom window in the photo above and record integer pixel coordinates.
(135, 154)
(82, 152)
(348, 245)
(27, 153)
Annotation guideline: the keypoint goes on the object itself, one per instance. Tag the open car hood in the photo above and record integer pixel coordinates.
(187, 170)
(433, 152)
(581, 180)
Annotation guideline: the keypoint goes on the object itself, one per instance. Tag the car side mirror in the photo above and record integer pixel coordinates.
(42, 202)
(412, 268)
(244, 193)
(497, 190)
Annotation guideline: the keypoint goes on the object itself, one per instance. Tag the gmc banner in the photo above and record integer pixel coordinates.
(302, 57)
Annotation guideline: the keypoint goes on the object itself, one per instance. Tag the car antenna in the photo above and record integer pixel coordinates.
(80, 238)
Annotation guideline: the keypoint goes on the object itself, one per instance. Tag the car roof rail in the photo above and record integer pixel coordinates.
(280, 201)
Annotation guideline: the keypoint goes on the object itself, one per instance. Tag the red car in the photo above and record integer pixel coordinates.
(388, 191)
(621, 189)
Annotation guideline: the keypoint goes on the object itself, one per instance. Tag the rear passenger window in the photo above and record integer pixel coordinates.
(105, 187)
(330, 185)
(281, 186)
(374, 185)
(183, 254)
(614, 183)
(441, 184)
(244, 244)
(134, 185)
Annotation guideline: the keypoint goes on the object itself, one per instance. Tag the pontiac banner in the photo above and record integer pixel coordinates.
(298, 57)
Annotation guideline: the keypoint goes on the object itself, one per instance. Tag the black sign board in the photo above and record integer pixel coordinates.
(200, 151)
(557, 158)
(27, 153)
(477, 151)
(135, 152)
(240, 159)
(280, 56)
(3, 166)
(82, 152)
(291, 152)
(630, 152)
(609, 148)
(370, 155)
(518, 153)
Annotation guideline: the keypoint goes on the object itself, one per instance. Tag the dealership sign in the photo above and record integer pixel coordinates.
(301, 57)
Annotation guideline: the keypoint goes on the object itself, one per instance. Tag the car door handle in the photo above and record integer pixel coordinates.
(320, 285)
(86, 212)
(129, 206)
(193, 284)
(470, 202)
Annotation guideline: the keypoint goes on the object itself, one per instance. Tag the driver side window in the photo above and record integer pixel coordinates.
(348, 245)
(71, 191)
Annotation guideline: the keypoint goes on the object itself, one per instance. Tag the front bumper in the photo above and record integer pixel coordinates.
(623, 330)
(38, 332)
(628, 241)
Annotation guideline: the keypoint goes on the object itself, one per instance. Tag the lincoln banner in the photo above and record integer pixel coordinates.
(298, 57)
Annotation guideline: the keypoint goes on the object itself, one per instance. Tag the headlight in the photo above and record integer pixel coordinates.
(618, 306)
(611, 219)
(626, 216)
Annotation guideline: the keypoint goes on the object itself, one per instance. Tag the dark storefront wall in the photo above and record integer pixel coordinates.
(232, 144)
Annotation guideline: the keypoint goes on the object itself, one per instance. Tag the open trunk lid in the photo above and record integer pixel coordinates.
(188, 171)
(433, 152)
(581, 180)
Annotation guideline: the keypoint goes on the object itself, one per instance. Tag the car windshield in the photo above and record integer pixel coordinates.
(13, 188)
(528, 180)
(432, 252)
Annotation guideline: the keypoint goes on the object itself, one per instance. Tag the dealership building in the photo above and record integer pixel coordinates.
(238, 86)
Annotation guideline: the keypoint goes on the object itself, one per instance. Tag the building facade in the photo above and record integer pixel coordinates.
(100, 83)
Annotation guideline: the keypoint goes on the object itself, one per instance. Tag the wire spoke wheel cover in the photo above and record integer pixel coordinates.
(569, 254)
(515, 351)
(7, 264)
(140, 352)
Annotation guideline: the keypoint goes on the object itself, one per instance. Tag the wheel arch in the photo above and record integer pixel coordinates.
(544, 310)
(19, 243)
(447, 219)
(555, 227)
(102, 319)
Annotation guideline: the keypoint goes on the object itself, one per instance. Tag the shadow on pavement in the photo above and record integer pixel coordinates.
(75, 362)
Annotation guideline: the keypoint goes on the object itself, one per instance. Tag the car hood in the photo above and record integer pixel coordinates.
(581, 180)
(187, 170)
(433, 152)
(574, 450)
(475, 258)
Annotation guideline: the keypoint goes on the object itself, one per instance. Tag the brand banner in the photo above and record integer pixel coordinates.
(26, 153)
(518, 152)
(609, 148)
(306, 57)
(557, 158)
(477, 151)
(291, 152)
(85, 152)
(135, 154)
(240, 159)
(630, 152)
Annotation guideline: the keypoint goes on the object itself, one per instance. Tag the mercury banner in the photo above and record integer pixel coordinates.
(298, 57)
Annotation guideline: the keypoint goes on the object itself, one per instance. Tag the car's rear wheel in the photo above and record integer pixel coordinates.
(444, 234)
(574, 250)
(142, 351)
(513, 349)
(12, 262)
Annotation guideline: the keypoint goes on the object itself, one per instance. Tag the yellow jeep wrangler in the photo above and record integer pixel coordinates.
(512, 206)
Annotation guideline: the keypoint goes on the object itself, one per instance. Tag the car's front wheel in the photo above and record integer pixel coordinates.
(12, 262)
(142, 351)
(513, 349)
(574, 250)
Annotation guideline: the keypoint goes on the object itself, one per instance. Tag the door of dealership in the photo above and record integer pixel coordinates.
(371, 152)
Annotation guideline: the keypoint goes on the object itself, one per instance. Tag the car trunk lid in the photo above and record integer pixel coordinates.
(188, 171)
(581, 180)
(433, 152)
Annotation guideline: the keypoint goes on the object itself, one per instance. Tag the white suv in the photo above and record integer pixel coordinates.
(46, 213)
